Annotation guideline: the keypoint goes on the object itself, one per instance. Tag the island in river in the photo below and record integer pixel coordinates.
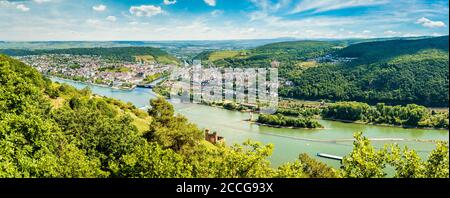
(336, 138)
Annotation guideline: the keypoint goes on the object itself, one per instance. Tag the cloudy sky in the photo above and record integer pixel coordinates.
(25, 20)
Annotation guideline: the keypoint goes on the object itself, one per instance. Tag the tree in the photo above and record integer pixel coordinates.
(437, 165)
(248, 160)
(290, 170)
(364, 161)
(152, 161)
(174, 132)
(316, 169)
(407, 163)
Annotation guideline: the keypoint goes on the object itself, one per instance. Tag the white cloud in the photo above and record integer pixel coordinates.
(23, 8)
(367, 32)
(170, 2)
(437, 34)
(210, 2)
(249, 30)
(391, 33)
(146, 10)
(216, 12)
(323, 6)
(99, 8)
(42, 1)
(111, 18)
(162, 29)
(268, 6)
(5, 4)
(93, 22)
(429, 23)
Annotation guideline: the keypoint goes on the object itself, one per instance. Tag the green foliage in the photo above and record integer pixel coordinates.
(86, 137)
(232, 106)
(437, 165)
(406, 162)
(315, 169)
(263, 56)
(114, 53)
(410, 115)
(415, 72)
(104, 134)
(33, 144)
(174, 132)
(280, 120)
(290, 170)
(297, 108)
(152, 161)
(366, 162)
(93, 137)
(151, 78)
(394, 72)
(352, 111)
(239, 161)
(370, 52)
(300, 112)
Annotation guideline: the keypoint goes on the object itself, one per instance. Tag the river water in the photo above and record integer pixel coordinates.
(336, 139)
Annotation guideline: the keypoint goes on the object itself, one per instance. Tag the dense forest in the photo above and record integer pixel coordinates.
(52, 130)
(115, 53)
(371, 52)
(395, 72)
(406, 75)
(409, 116)
(284, 121)
(263, 56)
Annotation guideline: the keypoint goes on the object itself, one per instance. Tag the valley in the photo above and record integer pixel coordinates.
(333, 95)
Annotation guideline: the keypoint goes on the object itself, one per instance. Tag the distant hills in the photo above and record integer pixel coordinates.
(398, 71)
(181, 49)
(385, 70)
(382, 50)
(182, 44)
(262, 56)
(118, 53)
(393, 72)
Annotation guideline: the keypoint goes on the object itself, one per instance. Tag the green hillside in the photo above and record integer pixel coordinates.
(394, 72)
(117, 53)
(401, 71)
(298, 46)
(284, 52)
(371, 52)
(51, 130)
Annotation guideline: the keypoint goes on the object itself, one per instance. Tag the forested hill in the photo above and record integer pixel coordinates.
(51, 130)
(393, 72)
(118, 53)
(297, 46)
(262, 56)
(371, 52)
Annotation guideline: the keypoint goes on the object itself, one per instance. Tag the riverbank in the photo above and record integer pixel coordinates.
(315, 111)
(280, 126)
(384, 125)
(288, 143)
(95, 84)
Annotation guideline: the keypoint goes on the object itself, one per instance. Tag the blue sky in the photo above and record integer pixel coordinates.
(25, 20)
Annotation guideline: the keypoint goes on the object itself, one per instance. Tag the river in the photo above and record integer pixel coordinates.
(336, 139)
